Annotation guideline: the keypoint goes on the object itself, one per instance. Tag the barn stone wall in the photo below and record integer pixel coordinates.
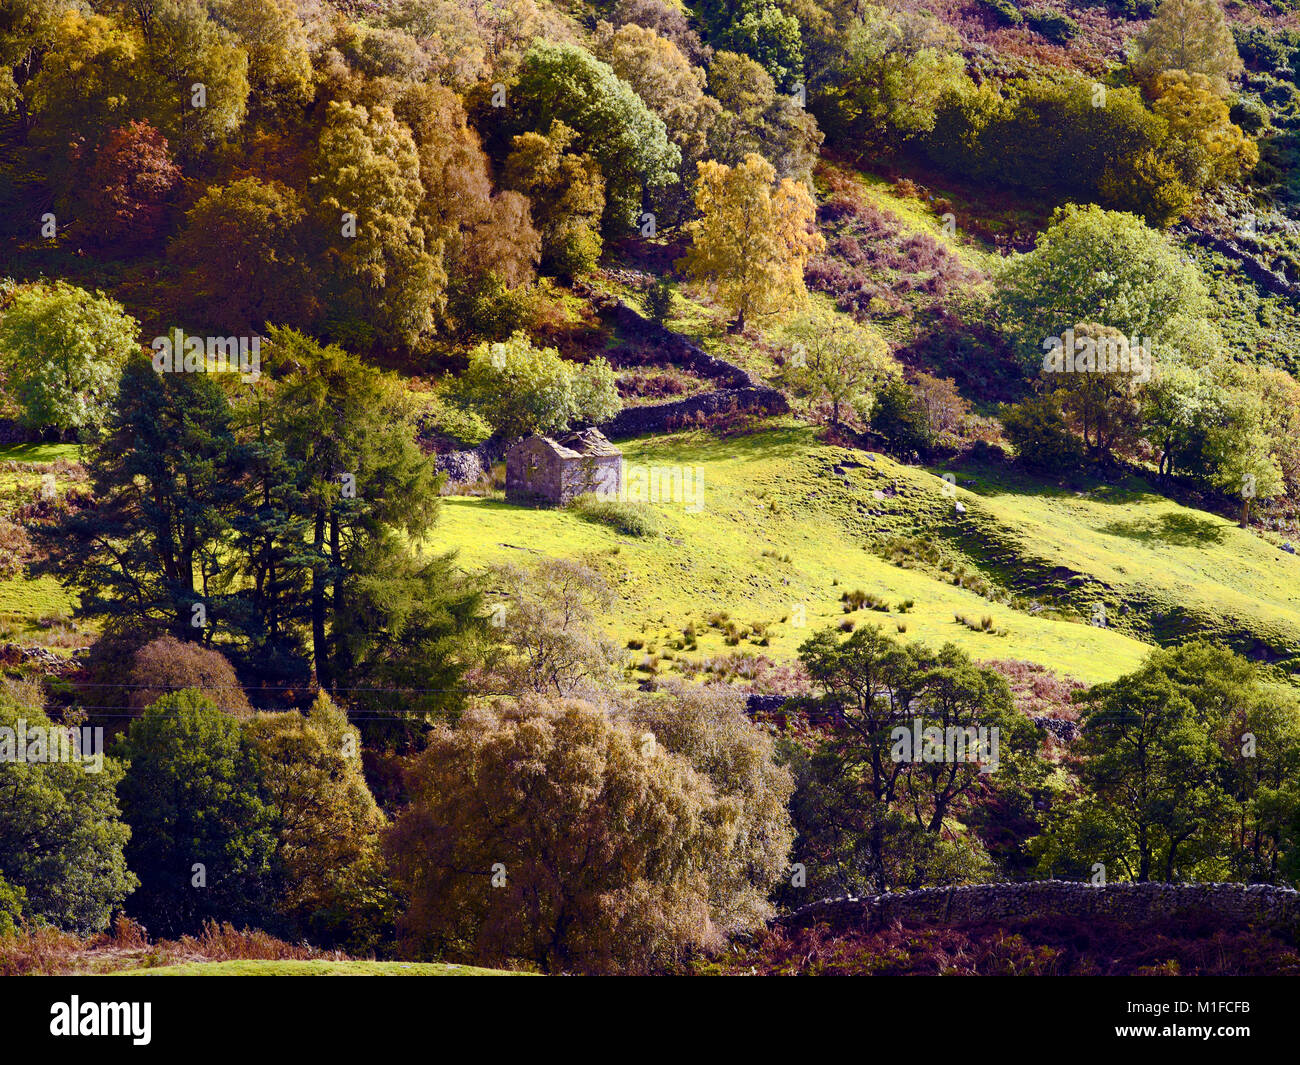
(591, 473)
(533, 471)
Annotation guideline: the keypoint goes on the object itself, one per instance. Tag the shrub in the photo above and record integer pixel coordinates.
(167, 665)
(1051, 24)
(630, 519)
(900, 416)
(1042, 439)
(659, 300)
(1006, 13)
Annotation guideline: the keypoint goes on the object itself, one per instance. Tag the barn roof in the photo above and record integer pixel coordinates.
(580, 444)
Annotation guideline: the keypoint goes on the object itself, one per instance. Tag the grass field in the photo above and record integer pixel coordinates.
(789, 524)
(315, 968)
(24, 600)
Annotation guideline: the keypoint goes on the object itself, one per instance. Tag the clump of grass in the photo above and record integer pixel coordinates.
(858, 599)
(901, 626)
(630, 519)
(847, 625)
(635, 644)
(985, 624)
(734, 633)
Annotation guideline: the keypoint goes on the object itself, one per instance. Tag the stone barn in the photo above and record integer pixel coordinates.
(559, 470)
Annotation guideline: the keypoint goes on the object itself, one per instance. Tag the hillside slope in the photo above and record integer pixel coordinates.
(787, 521)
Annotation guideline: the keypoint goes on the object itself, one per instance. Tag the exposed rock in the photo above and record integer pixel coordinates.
(1063, 730)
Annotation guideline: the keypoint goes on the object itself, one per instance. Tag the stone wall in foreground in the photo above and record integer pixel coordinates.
(1228, 904)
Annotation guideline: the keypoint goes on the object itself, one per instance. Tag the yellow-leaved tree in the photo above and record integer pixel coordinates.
(753, 238)
(1190, 35)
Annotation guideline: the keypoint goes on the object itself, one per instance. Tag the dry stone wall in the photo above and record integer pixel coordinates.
(1229, 904)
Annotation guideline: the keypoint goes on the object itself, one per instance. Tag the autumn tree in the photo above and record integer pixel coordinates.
(544, 833)
(85, 85)
(242, 260)
(665, 20)
(279, 61)
(709, 728)
(1279, 393)
(1207, 147)
(566, 193)
(127, 188)
(1038, 430)
(385, 275)
(628, 141)
(166, 664)
(544, 625)
(833, 360)
(198, 73)
(491, 247)
(1192, 36)
(327, 826)
(890, 70)
(27, 32)
(670, 86)
(757, 119)
(1177, 406)
(753, 238)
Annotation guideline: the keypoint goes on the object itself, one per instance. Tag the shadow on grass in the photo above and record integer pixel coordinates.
(1181, 530)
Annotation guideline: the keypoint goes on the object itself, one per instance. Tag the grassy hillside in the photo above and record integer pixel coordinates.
(787, 520)
(30, 606)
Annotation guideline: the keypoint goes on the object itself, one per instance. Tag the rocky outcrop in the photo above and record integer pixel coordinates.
(1261, 275)
(1227, 904)
(1063, 730)
(41, 659)
(764, 704)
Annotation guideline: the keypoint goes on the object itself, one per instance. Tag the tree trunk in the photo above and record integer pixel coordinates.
(319, 646)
